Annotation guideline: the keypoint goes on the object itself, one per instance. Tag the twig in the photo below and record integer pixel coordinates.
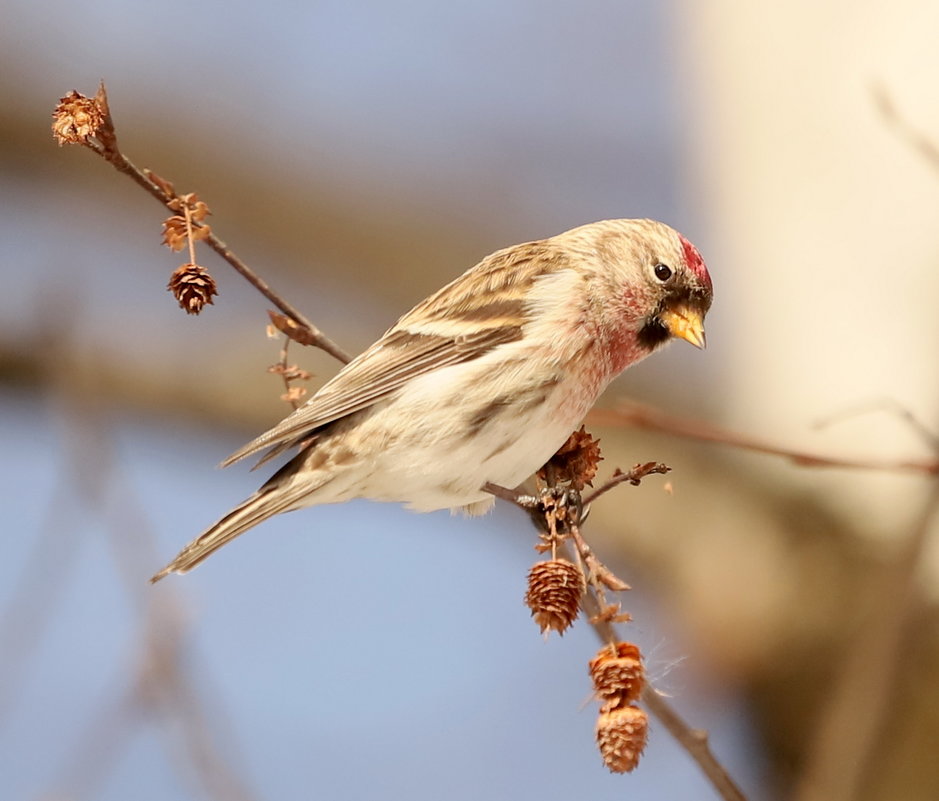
(522, 501)
(103, 141)
(317, 337)
(634, 477)
(598, 571)
(694, 741)
(290, 373)
(645, 417)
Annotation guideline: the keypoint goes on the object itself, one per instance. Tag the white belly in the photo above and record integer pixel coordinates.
(440, 446)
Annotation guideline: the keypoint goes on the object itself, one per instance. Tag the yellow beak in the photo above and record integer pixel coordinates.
(685, 323)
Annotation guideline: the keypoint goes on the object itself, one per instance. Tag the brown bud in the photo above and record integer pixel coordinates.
(76, 119)
(198, 210)
(296, 331)
(576, 460)
(618, 674)
(175, 232)
(161, 183)
(554, 590)
(294, 394)
(621, 737)
(193, 287)
(290, 372)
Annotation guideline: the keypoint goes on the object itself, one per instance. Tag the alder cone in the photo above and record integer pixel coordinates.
(555, 587)
(193, 287)
(621, 737)
(618, 674)
(76, 119)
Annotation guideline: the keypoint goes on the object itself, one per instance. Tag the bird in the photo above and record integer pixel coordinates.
(482, 381)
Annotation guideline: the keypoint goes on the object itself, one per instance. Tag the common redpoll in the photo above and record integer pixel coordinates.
(483, 381)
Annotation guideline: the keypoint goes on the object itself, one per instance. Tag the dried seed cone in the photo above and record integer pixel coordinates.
(618, 674)
(576, 460)
(175, 232)
(554, 590)
(193, 287)
(621, 737)
(76, 119)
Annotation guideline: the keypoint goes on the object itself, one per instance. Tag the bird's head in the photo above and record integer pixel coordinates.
(661, 285)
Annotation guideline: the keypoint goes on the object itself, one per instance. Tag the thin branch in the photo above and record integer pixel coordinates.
(317, 337)
(694, 741)
(599, 572)
(103, 141)
(290, 373)
(645, 417)
(634, 477)
(521, 500)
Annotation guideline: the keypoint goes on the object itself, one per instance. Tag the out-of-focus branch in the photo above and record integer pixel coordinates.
(163, 684)
(847, 740)
(27, 613)
(844, 753)
(638, 415)
(917, 140)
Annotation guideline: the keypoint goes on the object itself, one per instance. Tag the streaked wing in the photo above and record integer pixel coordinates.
(480, 310)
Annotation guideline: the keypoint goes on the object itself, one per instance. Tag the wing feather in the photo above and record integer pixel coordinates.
(482, 309)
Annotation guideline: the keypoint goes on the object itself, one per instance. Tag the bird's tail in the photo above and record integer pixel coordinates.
(270, 500)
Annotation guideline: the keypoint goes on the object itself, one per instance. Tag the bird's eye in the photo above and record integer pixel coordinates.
(663, 272)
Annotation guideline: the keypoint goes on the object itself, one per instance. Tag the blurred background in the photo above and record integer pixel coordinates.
(359, 155)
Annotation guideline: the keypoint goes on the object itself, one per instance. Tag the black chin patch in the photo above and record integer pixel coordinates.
(653, 333)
